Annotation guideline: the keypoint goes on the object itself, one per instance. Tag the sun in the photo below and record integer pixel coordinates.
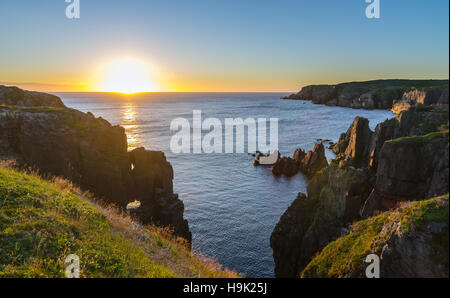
(126, 76)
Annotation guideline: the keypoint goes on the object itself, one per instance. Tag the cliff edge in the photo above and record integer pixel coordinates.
(404, 160)
(398, 95)
(37, 130)
(42, 222)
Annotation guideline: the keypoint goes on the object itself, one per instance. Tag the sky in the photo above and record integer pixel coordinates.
(221, 45)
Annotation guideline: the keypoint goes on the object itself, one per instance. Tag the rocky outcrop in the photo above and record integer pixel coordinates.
(312, 221)
(286, 166)
(410, 169)
(308, 163)
(378, 94)
(318, 94)
(361, 147)
(418, 248)
(425, 97)
(411, 242)
(373, 172)
(355, 143)
(313, 161)
(92, 154)
(13, 96)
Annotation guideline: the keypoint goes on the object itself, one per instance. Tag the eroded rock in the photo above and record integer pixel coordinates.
(92, 154)
(308, 163)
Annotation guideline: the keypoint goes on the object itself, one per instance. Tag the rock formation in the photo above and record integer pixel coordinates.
(355, 143)
(424, 97)
(17, 97)
(405, 159)
(411, 242)
(308, 163)
(410, 169)
(378, 94)
(286, 166)
(90, 152)
(314, 220)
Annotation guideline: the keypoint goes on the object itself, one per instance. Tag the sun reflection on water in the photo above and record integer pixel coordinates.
(129, 122)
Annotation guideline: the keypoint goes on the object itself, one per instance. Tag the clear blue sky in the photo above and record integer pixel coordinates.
(225, 45)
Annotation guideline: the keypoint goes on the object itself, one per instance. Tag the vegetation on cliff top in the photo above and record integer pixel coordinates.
(389, 85)
(42, 222)
(418, 140)
(346, 255)
(34, 109)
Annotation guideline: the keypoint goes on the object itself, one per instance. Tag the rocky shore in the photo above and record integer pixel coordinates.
(37, 130)
(397, 95)
(361, 196)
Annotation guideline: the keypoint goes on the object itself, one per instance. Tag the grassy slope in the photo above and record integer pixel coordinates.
(347, 253)
(42, 222)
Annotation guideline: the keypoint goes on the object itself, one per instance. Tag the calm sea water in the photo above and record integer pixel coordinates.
(232, 207)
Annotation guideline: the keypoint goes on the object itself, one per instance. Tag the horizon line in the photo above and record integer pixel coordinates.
(22, 85)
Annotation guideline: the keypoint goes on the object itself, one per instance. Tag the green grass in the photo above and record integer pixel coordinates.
(39, 109)
(386, 86)
(346, 254)
(418, 140)
(423, 212)
(42, 222)
(78, 125)
(430, 127)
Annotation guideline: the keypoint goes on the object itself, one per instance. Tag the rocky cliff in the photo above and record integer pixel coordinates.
(411, 241)
(410, 169)
(18, 97)
(424, 97)
(316, 219)
(38, 131)
(378, 94)
(404, 159)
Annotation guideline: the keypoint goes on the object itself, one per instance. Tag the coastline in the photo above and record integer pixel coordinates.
(348, 149)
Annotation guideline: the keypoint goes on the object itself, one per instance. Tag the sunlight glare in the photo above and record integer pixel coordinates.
(126, 76)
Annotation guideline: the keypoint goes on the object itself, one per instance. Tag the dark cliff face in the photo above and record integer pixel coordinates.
(409, 169)
(404, 159)
(93, 154)
(312, 221)
(379, 94)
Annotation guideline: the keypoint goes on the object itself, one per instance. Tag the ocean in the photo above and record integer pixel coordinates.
(232, 206)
